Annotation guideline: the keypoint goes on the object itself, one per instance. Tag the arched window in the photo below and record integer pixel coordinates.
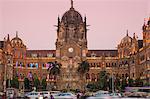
(31, 65)
(87, 76)
(106, 64)
(99, 64)
(93, 77)
(36, 64)
(54, 77)
(126, 75)
(112, 64)
(98, 77)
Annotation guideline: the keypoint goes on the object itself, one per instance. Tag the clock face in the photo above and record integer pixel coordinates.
(70, 49)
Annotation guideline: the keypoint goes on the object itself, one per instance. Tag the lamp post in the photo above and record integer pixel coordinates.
(112, 81)
(4, 83)
(8, 64)
(5, 75)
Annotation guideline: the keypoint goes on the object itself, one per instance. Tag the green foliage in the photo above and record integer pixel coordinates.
(131, 82)
(92, 87)
(117, 83)
(7, 83)
(123, 84)
(102, 84)
(55, 69)
(147, 84)
(103, 80)
(14, 83)
(138, 82)
(36, 83)
(35, 76)
(44, 84)
(26, 83)
(83, 67)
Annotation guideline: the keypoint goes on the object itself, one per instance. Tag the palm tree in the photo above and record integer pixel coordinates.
(54, 68)
(26, 83)
(83, 68)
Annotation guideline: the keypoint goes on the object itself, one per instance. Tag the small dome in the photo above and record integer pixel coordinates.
(16, 41)
(126, 39)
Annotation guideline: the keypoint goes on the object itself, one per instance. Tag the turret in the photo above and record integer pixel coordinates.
(146, 33)
(85, 26)
(8, 39)
(148, 23)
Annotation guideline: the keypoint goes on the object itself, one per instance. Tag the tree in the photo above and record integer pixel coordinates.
(44, 84)
(117, 83)
(54, 68)
(83, 67)
(26, 83)
(36, 83)
(123, 84)
(14, 83)
(91, 87)
(7, 83)
(103, 80)
(138, 82)
(130, 82)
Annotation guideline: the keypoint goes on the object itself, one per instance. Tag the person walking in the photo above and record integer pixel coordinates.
(51, 96)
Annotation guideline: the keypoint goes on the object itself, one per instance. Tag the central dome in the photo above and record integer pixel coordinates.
(72, 17)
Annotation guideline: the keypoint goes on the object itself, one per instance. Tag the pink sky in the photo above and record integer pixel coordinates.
(108, 20)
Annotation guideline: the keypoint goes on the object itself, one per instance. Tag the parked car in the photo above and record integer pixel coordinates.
(66, 95)
(100, 95)
(45, 94)
(34, 95)
(54, 93)
(11, 92)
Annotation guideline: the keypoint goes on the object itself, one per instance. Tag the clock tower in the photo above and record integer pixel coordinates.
(71, 47)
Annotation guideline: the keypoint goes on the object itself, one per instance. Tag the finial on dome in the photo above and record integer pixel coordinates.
(8, 39)
(127, 32)
(148, 23)
(84, 17)
(71, 3)
(16, 34)
(133, 35)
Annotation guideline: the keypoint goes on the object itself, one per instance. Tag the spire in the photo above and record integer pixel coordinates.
(58, 20)
(85, 24)
(58, 23)
(58, 17)
(133, 35)
(85, 20)
(8, 39)
(71, 3)
(127, 32)
(144, 25)
(16, 34)
(148, 23)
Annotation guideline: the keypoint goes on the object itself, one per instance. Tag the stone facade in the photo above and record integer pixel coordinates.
(130, 60)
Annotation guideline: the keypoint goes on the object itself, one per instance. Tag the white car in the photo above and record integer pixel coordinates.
(34, 95)
(67, 95)
(100, 95)
(45, 94)
(54, 93)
